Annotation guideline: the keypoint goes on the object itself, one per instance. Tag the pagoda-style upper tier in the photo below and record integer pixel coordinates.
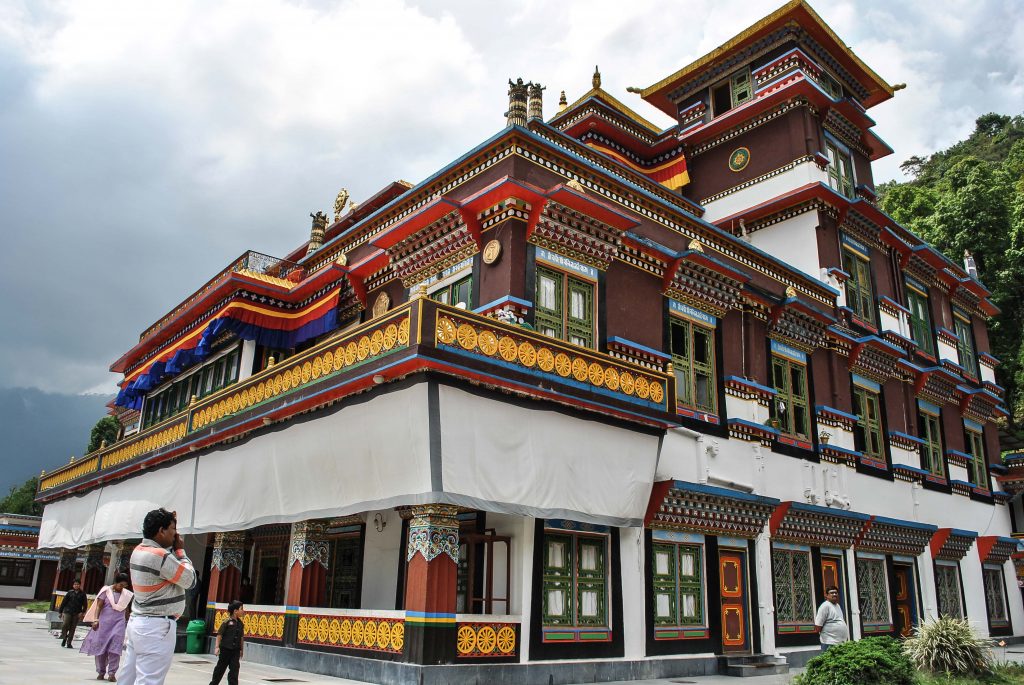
(795, 25)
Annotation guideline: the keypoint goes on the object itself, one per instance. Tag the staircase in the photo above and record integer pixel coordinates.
(745, 665)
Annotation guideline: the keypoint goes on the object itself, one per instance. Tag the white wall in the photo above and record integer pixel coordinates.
(631, 553)
(21, 591)
(794, 240)
(380, 561)
(765, 190)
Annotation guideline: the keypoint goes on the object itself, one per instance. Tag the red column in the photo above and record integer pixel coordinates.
(307, 561)
(93, 571)
(432, 553)
(226, 567)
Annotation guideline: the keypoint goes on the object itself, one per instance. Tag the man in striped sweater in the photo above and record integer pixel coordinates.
(161, 573)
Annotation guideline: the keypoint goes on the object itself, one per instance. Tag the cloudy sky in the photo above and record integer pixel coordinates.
(143, 146)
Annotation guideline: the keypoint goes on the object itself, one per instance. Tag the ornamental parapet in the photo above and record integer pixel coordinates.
(418, 336)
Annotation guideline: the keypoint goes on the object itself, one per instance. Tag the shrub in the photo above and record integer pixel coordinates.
(871, 661)
(950, 646)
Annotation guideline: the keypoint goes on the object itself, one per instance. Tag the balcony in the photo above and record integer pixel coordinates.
(416, 337)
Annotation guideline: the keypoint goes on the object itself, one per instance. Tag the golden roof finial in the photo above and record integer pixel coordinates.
(562, 102)
(596, 81)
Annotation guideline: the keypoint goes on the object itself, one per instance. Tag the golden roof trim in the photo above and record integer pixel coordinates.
(744, 35)
(613, 102)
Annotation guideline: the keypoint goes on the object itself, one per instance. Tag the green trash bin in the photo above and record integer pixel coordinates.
(196, 641)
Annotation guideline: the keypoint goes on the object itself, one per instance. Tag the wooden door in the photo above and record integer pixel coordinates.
(732, 581)
(906, 607)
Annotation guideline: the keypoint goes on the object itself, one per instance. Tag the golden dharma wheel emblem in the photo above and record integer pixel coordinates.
(545, 359)
(492, 252)
(381, 304)
(487, 342)
(580, 369)
(446, 330)
(527, 354)
(563, 365)
(611, 378)
(739, 159)
(508, 348)
(466, 335)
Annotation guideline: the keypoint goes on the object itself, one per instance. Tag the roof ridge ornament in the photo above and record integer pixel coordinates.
(596, 80)
(339, 203)
(563, 104)
(516, 114)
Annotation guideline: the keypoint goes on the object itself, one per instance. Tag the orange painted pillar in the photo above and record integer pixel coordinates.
(307, 563)
(432, 554)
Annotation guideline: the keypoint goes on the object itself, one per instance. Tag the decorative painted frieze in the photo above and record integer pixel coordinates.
(433, 531)
(951, 544)
(384, 634)
(890, 536)
(808, 524)
(228, 550)
(711, 510)
(308, 543)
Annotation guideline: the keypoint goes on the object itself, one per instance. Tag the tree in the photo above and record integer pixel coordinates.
(106, 429)
(971, 197)
(21, 499)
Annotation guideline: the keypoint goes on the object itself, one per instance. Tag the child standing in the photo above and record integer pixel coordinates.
(230, 645)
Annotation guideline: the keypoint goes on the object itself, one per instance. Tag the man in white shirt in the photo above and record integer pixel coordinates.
(829, 622)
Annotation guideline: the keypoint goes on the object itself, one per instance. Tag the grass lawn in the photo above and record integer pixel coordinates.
(35, 607)
(1005, 674)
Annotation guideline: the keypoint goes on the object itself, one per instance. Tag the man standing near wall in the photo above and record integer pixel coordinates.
(829, 621)
(161, 573)
(72, 608)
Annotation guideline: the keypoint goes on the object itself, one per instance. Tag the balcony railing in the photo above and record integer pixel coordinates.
(421, 335)
(252, 263)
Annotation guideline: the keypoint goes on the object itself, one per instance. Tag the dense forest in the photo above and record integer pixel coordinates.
(971, 197)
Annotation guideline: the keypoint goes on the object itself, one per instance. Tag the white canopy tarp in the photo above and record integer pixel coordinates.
(537, 462)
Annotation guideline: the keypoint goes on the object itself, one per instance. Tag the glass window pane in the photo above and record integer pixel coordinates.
(588, 603)
(556, 554)
(661, 561)
(546, 293)
(662, 606)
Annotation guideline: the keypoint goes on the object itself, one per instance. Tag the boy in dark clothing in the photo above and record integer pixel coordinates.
(72, 609)
(230, 645)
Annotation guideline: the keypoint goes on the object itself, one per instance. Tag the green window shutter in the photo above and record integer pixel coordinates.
(679, 344)
(741, 87)
(549, 305)
(920, 321)
(591, 582)
(691, 589)
(931, 450)
(665, 584)
(868, 431)
(965, 345)
(840, 170)
(790, 405)
(704, 391)
(462, 291)
(859, 295)
(976, 445)
(580, 312)
(557, 591)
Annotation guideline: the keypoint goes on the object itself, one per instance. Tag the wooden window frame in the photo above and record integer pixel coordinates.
(862, 397)
(565, 326)
(990, 572)
(965, 344)
(974, 440)
(954, 568)
(11, 566)
(792, 399)
(865, 590)
(675, 586)
(860, 296)
(931, 454)
(687, 368)
(449, 290)
(790, 557)
(575, 580)
(840, 172)
(921, 328)
(740, 84)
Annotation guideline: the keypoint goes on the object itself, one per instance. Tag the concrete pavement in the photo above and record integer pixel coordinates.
(30, 655)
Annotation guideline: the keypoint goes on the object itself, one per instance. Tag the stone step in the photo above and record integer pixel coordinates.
(743, 665)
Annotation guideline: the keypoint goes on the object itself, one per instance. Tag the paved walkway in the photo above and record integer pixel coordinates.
(29, 654)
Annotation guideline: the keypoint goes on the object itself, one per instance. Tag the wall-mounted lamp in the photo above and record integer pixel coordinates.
(380, 522)
(379, 378)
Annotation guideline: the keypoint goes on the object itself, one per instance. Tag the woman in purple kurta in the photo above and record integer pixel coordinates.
(110, 614)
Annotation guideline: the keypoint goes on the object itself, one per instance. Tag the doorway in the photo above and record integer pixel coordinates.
(906, 600)
(732, 574)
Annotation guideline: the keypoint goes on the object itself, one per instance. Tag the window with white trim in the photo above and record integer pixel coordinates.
(459, 292)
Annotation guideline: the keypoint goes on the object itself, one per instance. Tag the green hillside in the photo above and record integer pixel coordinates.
(971, 197)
